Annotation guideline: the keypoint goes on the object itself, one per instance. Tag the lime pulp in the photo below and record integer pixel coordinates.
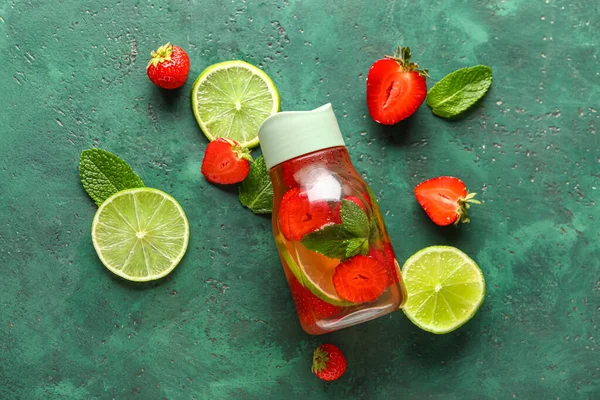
(140, 234)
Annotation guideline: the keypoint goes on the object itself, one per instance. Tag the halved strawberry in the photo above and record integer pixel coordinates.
(360, 279)
(226, 162)
(298, 215)
(445, 200)
(395, 88)
(337, 215)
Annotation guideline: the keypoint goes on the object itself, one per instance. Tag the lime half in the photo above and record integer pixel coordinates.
(140, 234)
(232, 99)
(445, 288)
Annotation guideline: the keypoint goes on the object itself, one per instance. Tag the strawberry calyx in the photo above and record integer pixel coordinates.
(463, 206)
(320, 359)
(241, 152)
(402, 57)
(161, 55)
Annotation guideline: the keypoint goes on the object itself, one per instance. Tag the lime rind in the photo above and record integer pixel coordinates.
(122, 216)
(464, 285)
(222, 107)
(305, 281)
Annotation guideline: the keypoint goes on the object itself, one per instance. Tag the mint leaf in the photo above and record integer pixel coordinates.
(364, 250)
(374, 229)
(459, 90)
(354, 219)
(104, 174)
(256, 191)
(356, 246)
(332, 241)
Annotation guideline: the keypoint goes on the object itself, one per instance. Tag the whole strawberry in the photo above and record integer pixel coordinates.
(226, 162)
(169, 67)
(329, 363)
(395, 87)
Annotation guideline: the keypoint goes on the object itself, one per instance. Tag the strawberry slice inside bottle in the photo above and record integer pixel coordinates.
(298, 215)
(360, 279)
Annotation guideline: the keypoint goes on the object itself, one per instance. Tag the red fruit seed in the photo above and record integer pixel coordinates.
(360, 279)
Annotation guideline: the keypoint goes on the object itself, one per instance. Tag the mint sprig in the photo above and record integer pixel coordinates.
(104, 174)
(256, 191)
(458, 91)
(344, 240)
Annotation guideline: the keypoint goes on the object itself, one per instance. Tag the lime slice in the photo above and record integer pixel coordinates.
(140, 234)
(445, 288)
(318, 280)
(232, 99)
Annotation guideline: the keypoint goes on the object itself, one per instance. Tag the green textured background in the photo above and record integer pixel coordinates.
(223, 324)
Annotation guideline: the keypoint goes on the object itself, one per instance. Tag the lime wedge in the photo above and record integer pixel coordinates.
(140, 234)
(318, 280)
(232, 99)
(445, 288)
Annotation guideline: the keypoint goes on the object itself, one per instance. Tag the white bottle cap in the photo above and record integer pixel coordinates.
(290, 134)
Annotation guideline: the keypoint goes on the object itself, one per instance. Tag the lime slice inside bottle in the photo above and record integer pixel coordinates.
(318, 279)
(140, 234)
(231, 99)
(445, 288)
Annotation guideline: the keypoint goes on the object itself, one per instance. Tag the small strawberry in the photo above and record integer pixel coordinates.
(226, 162)
(395, 87)
(337, 215)
(329, 362)
(298, 215)
(360, 279)
(445, 200)
(169, 67)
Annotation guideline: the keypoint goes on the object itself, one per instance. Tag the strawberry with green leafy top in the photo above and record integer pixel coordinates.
(169, 67)
(226, 162)
(329, 362)
(395, 87)
(445, 200)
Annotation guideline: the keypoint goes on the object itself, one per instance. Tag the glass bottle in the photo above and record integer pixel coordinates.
(334, 247)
